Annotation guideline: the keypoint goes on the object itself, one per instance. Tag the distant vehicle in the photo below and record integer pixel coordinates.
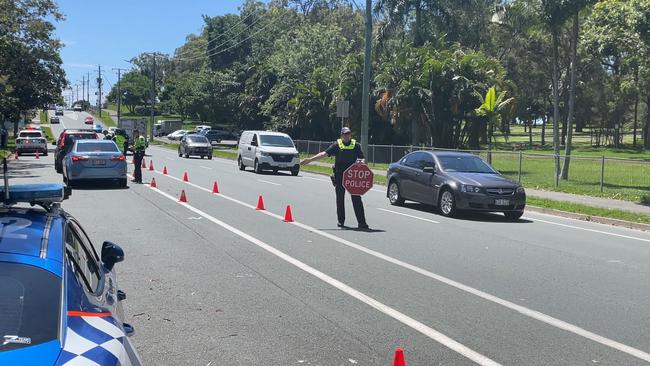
(111, 130)
(89, 120)
(264, 150)
(200, 128)
(94, 160)
(195, 145)
(176, 135)
(129, 125)
(31, 141)
(165, 127)
(54, 120)
(98, 128)
(57, 293)
(77, 108)
(218, 135)
(453, 182)
(75, 134)
(58, 111)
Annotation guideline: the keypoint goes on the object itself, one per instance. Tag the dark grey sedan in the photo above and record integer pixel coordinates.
(195, 145)
(453, 182)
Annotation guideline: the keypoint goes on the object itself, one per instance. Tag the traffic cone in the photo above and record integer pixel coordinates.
(215, 187)
(37, 157)
(185, 178)
(144, 165)
(153, 183)
(260, 204)
(183, 198)
(399, 357)
(288, 216)
(151, 165)
(165, 170)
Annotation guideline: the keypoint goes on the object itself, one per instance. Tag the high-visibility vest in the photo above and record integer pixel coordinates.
(342, 146)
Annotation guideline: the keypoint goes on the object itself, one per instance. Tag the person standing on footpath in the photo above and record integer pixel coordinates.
(346, 151)
(139, 145)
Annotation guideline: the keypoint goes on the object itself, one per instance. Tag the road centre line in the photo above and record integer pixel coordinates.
(267, 182)
(393, 313)
(587, 229)
(534, 314)
(407, 215)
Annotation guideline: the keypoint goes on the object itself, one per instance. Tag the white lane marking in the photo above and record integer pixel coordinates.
(393, 313)
(267, 182)
(534, 314)
(205, 167)
(407, 215)
(322, 180)
(591, 230)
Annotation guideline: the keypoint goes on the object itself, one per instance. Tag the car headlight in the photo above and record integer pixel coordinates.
(521, 190)
(264, 153)
(469, 188)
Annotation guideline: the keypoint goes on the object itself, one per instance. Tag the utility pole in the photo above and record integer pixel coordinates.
(99, 85)
(88, 89)
(77, 97)
(83, 87)
(153, 96)
(365, 102)
(119, 93)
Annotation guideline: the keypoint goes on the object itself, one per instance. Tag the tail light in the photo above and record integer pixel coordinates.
(119, 158)
(76, 158)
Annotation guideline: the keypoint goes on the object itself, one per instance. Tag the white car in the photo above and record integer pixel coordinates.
(200, 128)
(264, 150)
(31, 141)
(176, 135)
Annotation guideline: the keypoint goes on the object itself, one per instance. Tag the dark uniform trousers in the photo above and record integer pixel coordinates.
(137, 161)
(340, 202)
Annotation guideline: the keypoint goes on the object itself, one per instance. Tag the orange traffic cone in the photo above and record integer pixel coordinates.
(215, 187)
(165, 170)
(37, 157)
(153, 183)
(288, 217)
(144, 165)
(183, 198)
(399, 358)
(260, 204)
(151, 165)
(185, 178)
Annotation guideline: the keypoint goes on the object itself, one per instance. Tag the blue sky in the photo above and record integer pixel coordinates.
(109, 32)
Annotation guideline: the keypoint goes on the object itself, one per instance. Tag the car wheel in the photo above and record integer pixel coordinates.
(295, 172)
(241, 164)
(187, 156)
(179, 152)
(257, 168)
(202, 156)
(209, 157)
(45, 153)
(447, 203)
(394, 196)
(513, 215)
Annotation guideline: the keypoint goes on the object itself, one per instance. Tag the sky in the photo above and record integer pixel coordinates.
(107, 33)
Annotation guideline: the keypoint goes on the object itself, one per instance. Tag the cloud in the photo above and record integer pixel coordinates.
(82, 66)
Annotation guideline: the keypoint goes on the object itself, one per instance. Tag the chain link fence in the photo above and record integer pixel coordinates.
(614, 177)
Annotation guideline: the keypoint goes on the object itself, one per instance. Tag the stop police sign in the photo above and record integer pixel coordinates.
(358, 179)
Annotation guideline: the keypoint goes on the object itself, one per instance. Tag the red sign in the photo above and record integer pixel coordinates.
(358, 179)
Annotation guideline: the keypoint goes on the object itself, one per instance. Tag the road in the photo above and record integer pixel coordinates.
(216, 282)
(70, 119)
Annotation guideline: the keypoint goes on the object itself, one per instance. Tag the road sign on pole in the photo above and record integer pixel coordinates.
(358, 179)
(343, 108)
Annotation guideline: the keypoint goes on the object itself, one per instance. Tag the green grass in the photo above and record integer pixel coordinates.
(48, 134)
(43, 116)
(106, 119)
(588, 210)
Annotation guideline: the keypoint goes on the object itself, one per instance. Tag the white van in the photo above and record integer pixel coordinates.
(264, 150)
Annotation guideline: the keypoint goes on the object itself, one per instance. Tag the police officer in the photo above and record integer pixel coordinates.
(139, 145)
(121, 140)
(346, 151)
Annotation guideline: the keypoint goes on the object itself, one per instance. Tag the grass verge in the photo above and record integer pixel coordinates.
(43, 116)
(588, 210)
(48, 134)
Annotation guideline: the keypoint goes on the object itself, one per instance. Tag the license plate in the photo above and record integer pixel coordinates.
(283, 165)
(502, 202)
(99, 162)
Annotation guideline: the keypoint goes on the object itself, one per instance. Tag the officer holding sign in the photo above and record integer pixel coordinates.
(346, 151)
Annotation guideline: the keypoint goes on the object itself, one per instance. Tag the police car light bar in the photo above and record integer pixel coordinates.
(34, 193)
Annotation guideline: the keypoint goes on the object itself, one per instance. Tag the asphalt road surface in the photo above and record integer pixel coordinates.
(216, 282)
(70, 119)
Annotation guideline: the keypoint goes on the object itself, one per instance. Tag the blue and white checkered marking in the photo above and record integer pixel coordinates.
(94, 341)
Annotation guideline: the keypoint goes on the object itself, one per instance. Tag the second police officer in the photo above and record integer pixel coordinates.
(346, 151)
(139, 145)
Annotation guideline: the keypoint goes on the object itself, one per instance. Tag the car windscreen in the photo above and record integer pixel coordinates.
(464, 164)
(197, 139)
(30, 134)
(30, 306)
(276, 140)
(97, 147)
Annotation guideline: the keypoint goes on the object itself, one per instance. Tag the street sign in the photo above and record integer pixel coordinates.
(358, 179)
(342, 108)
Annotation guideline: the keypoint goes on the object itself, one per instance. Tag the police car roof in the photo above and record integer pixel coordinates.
(32, 236)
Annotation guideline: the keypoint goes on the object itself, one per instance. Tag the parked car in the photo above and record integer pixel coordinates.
(98, 128)
(31, 141)
(176, 135)
(111, 130)
(89, 120)
(218, 135)
(200, 128)
(94, 160)
(196, 145)
(454, 182)
(61, 301)
(61, 149)
(54, 120)
(264, 150)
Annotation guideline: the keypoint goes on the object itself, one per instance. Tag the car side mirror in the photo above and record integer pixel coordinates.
(429, 169)
(111, 254)
(253, 143)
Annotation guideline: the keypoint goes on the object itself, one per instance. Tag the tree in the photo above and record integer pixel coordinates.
(135, 88)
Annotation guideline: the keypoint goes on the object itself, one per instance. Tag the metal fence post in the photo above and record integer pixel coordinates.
(557, 176)
(308, 148)
(373, 155)
(521, 156)
(391, 153)
(602, 173)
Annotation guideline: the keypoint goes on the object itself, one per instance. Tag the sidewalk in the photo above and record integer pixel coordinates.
(565, 197)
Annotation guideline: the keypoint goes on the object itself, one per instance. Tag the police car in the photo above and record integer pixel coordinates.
(31, 140)
(60, 303)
